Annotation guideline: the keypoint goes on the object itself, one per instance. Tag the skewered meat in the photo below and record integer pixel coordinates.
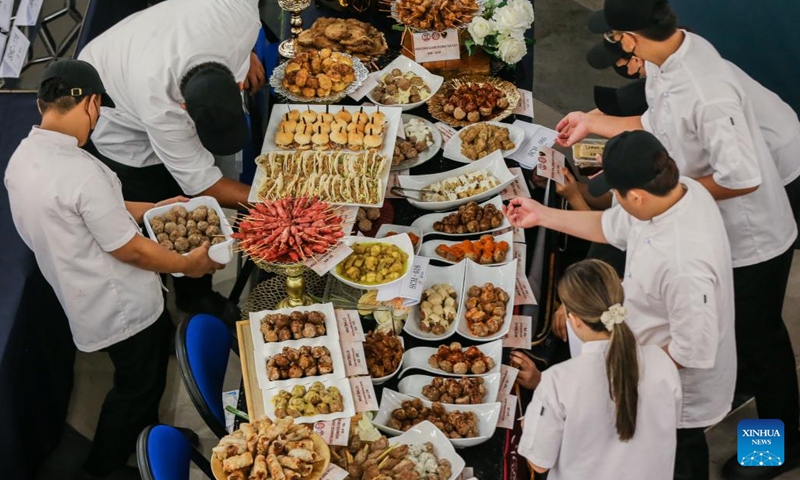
(438, 15)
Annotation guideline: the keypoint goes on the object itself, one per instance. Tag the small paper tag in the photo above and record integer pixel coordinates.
(519, 235)
(508, 375)
(6, 8)
(355, 363)
(328, 260)
(446, 130)
(369, 84)
(436, 46)
(401, 129)
(536, 137)
(334, 472)
(393, 182)
(523, 293)
(349, 326)
(551, 165)
(15, 54)
(334, 432)
(410, 287)
(525, 105)
(518, 187)
(519, 333)
(466, 474)
(508, 411)
(364, 394)
(28, 12)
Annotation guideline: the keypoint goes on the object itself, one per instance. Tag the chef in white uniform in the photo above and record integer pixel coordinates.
(678, 275)
(612, 411)
(68, 208)
(175, 71)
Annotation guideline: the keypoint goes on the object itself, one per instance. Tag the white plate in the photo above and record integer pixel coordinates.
(442, 448)
(401, 241)
(412, 385)
(454, 275)
(418, 358)
(493, 163)
(428, 248)
(425, 155)
(382, 380)
(344, 388)
(505, 277)
(488, 414)
(261, 357)
(452, 148)
(331, 326)
(221, 252)
(405, 64)
(388, 227)
(425, 222)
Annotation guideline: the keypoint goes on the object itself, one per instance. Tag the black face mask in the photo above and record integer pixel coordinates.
(623, 71)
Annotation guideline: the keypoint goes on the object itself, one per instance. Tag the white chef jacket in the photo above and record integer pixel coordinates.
(142, 60)
(679, 292)
(570, 424)
(702, 115)
(68, 208)
(778, 124)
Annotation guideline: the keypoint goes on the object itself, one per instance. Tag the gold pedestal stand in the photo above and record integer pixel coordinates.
(295, 7)
(289, 288)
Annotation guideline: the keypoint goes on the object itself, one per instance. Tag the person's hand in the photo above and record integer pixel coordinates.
(538, 180)
(529, 376)
(199, 264)
(560, 323)
(256, 76)
(523, 212)
(570, 187)
(573, 128)
(170, 201)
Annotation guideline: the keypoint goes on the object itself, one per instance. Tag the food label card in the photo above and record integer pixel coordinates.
(446, 130)
(349, 325)
(551, 165)
(525, 106)
(334, 472)
(355, 362)
(508, 375)
(466, 474)
(363, 394)
(518, 187)
(519, 333)
(28, 12)
(508, 411)
(519, 235)
(6, 7)
(369, 84)
(536, 137)
(523, 293)
(334, 432)
(410, 288)
(15, 53)
(436, 46)
(393, 182)
(325, 262)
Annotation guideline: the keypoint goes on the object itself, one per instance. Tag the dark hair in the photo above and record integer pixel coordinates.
(200, 68)
(666, 180)
(663, 21)
(588, 289)
(54, 95)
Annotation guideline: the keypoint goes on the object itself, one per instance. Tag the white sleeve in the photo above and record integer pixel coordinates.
(104, 215)
(543, 431)
(693, 320)
(187, 160)
(646, 125)
(616, 223)
(725, 135)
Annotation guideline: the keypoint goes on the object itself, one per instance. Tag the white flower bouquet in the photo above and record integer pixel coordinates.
(500, 32)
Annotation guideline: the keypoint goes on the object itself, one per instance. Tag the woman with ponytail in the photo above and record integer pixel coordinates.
(611, 412)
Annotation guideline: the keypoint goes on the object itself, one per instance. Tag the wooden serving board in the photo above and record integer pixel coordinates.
(252, 392)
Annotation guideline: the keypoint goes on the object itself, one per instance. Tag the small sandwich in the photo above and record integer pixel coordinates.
(320, 140)
(373, 129)
(339, 126)
(355, 141)
(284, 139)
(372, 141)
(361, 117)
(293, 115)
(321, 127)
(378, 118)
(338, 139)
(325, 117)
(303, 141)
(303, 127)
(287, 126)
(355, 127)
(309, 116)
(343, 115)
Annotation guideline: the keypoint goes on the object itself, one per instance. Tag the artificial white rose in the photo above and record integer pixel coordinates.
(480, 28)
(511, 49)
(514, 18)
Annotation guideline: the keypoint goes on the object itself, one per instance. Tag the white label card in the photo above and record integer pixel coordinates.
(334, 472)
(15, 54)
(349, 324)
(536, 137)
(508, 375)
(410, 288)
(508, 411)
(3, 39)
(355, 361)
(551, 165)
(363, 394)
(519, 333)
(328, 260)
(401, 129)
(334, 432)
(369, 84)
(6, 7)
(446, 130)
(393, 182)
(525, 106)
(28, 12)
(523, 293)
(466, 474)
(519, 235)
(436, 46)
(518, 188)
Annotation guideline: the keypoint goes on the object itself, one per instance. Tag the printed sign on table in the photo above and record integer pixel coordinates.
(393, 182)
(363, 394)
(525, 106)
(334, 432)
(28, 12)
(551, 165)
(523, 293)
(6, 7)
(436, 46)
(409, 288)
(334, 472)
(508, 375)
(508, 411)
(518, 188)
(355, 363)
(519, 333)
(349, 324)
(369, 84)
(325, 262)
(446, 130)
(536, 137)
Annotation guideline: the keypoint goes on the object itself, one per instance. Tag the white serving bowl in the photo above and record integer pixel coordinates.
(442, 448)
(401, 241)
(382, 380)
(425, 222)
(272, 349)
(452, 149)
(412, 385)
(488, 414)
(405, 64)
(388, 227)
(505, 277)
(454, 275)
(221, 252)
(493, 163)
(331, 326)
(418, 358)
(341, 383)
(428, 249)
(426, 154)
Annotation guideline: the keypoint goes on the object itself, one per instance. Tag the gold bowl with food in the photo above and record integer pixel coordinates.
(318, 76)
(375, 263)
(467, 100)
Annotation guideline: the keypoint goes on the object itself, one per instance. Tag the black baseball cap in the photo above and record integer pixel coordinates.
(623, 16)
(628, 100)
(605, 54)
(80, 79)
(627, 162)
(214, 102)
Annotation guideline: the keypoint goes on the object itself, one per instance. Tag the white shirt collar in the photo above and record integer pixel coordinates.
(595, 346)
(677, 56)
(673, 210)
(51, 136)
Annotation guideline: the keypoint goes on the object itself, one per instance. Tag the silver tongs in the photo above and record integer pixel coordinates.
(396, 190)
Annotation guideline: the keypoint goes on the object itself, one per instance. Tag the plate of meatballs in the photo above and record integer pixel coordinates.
(284, 366)
(293, 326)
(472, 99)
(453, 359)
(488, 301)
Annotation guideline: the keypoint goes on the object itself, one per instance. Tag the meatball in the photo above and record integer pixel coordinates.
(157, 224)
(217, 240)
(181, 221)
(162, 236)
(170, 227)
(181, 245)
(200, 214)
(190, 224)
(180, 211)
(195, 240)
(202, 225)
(167, 244)
(213, 231)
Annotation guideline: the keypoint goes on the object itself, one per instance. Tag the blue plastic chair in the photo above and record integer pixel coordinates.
(164, 453)
(202, 346)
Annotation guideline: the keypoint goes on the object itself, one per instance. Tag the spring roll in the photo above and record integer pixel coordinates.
(304, 455)
(290, 462)
(291, 475)
(259, 471)
(276, 447)
(262, 425)
(298, 432)
(238, 462)
(306, 444)
(230, 446)
(275, 469)
(262, 445)
(237, 475)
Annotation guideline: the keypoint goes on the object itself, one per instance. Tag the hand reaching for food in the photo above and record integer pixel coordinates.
(523, 212)
(573, 128)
